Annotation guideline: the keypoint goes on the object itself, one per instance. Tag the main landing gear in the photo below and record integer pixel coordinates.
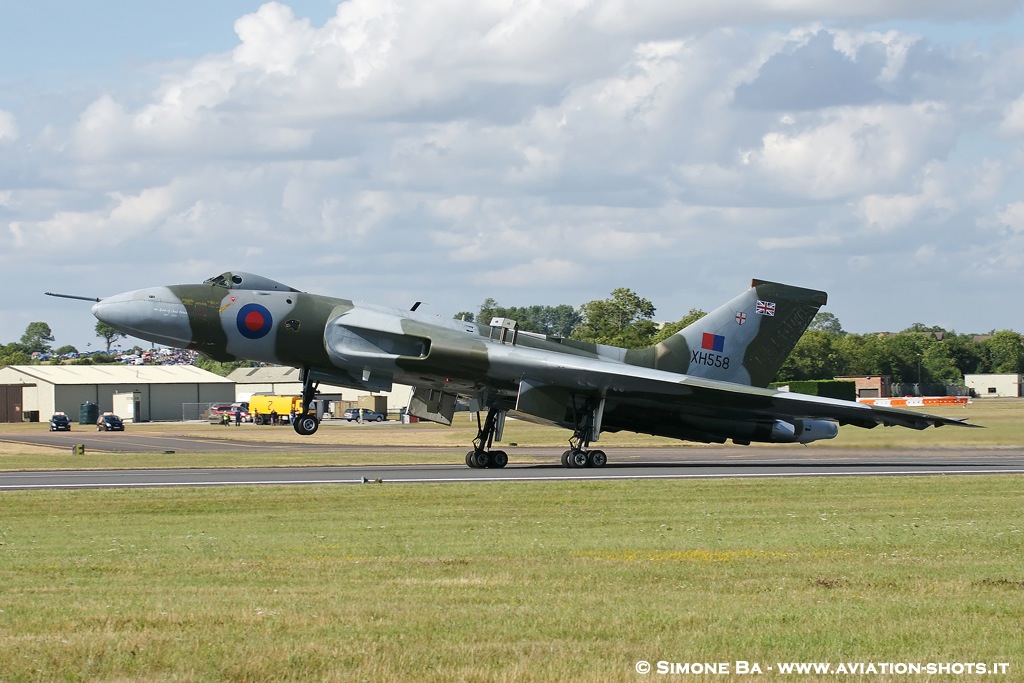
(579, 455)
(480, 457)
(587, 424)
(306, 423)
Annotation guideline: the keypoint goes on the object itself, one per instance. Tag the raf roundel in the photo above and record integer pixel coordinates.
(254, 321)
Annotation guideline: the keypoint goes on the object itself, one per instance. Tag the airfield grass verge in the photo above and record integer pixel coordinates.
(532, 581)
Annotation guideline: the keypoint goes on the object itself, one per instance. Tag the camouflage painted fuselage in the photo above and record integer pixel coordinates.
(705, 383)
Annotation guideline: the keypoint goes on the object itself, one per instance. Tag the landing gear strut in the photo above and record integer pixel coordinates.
(305, 423)
(480, 457)
(587, 423)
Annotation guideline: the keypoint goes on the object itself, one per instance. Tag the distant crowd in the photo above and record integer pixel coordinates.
(132, 357)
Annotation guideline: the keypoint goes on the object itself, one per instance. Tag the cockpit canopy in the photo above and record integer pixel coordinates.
(240, 280)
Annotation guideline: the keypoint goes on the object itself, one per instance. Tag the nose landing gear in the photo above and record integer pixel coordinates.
(306, 423)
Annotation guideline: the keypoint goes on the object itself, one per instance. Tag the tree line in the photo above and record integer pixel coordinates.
(918, 354)
(38, 339)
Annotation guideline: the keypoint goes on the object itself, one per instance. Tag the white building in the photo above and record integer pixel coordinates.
(995, 386)
(158, 392)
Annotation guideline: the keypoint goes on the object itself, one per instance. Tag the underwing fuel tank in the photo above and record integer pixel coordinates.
(803, 431)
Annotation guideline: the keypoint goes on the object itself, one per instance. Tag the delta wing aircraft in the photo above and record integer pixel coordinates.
(707, 383)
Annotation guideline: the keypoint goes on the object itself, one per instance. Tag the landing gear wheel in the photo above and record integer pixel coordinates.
(578, 459)
(565, 458)
(482, 459)
(471, 459)
(306, 424)
(597, 459)
(499, 459)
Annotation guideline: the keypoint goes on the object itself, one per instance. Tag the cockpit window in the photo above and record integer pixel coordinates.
(240, 280)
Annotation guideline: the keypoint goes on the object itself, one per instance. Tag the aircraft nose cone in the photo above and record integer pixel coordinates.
(154, 314)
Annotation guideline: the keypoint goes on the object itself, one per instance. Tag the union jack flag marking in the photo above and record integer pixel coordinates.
(765, 308)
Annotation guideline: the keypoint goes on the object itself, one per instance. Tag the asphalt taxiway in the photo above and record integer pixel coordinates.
(538, 464)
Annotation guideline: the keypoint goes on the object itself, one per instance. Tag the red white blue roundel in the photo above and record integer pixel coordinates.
(254, 321)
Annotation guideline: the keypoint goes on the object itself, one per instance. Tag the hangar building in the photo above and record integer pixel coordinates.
(34, 392)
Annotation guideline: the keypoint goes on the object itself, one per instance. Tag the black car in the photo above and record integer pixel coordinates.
(60, 423)
(109, 422)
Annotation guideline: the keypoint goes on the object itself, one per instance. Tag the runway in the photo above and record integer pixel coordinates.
(635, 464)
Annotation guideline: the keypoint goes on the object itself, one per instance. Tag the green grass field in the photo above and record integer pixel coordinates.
(510, 582)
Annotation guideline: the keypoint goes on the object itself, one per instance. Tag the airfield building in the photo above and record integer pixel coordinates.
(153, 392)
(995, 386)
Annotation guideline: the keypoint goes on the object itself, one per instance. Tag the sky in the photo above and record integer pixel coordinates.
(530, 151)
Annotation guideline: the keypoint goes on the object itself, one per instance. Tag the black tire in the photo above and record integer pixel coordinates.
(499, 459)
(597, 459)
(470, 460)
(306, 425)
(578, 459)
(565, 458)
(482, 459)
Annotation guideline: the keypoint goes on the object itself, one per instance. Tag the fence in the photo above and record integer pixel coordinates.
(908, 389)
(191, 412)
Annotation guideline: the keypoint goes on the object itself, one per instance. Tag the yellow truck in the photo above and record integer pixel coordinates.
(263, 406)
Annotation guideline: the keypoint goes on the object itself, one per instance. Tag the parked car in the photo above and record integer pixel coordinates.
(368, 415)
(219, 409)
(109, 422)
(60, 423)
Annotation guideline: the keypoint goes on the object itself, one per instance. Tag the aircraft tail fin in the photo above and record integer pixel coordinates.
(745, 341)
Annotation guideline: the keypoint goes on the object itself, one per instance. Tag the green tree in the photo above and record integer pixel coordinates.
(960, 350)
(67, 348)
(554, 320)
(14, 354)
(487, 311)
(816, 356)
(622, 320)
(921, 328)
(1004, 352)
(219, 368)
(826, 322)
(669, 329)
(37, 337)
(939, 365)
(108, 334)
(465, 315)
(903, 357)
